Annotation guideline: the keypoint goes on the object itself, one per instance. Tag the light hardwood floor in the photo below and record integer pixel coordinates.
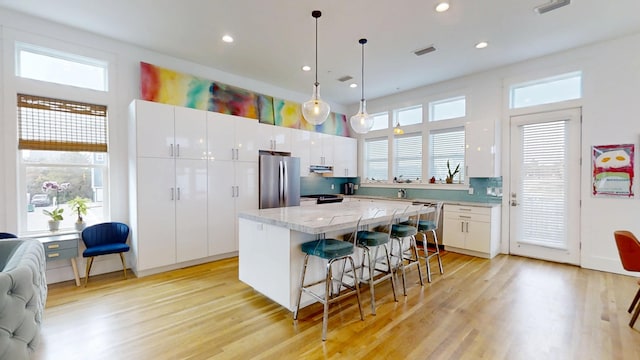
(506, 308)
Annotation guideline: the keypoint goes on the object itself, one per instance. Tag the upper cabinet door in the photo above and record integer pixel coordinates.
(154, 128)
(221, 135)
(300, 140)
(346, 156)
(250, 138)
(281, 138)
(480, 157)
(190, 133)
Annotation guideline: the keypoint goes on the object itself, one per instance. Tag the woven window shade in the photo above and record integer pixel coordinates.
(61, 125)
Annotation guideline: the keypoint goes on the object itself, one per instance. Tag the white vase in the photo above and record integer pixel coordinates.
(80, 225)
(54, 225)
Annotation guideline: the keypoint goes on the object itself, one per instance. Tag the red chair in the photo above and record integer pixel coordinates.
(629, 250)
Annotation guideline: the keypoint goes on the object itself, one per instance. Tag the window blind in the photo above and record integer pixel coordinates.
(544, 193)
(61, 125)
(408, 157)
(376, 159)
(446, 145)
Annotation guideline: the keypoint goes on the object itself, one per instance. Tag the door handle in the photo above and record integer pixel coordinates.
(172, 193)
(178, 150)
(514, 203)
(171, 150)
(178, 197)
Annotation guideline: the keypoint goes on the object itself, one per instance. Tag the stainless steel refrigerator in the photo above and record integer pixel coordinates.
(279, 180)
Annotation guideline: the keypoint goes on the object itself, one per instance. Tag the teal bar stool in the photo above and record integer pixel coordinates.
(428, 223)
(331, 250)
(400, 233)
(371, 242)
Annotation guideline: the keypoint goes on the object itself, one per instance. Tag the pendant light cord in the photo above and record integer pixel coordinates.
(362, 41)
(316, 15)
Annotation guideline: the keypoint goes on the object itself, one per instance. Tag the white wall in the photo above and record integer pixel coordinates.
(610, 108)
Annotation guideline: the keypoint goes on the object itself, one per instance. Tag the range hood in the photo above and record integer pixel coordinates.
(323, 170)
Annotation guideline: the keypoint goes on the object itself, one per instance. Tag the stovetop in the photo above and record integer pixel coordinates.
(325, 198)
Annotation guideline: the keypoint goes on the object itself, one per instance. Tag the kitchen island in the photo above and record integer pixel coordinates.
(270, 259)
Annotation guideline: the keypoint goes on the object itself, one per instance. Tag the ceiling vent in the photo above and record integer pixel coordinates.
(345, 78)
(425, 51)
(554, 4)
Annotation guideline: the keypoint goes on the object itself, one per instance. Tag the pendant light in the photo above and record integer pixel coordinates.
(397, 130)
(362, 122)
(315, 111)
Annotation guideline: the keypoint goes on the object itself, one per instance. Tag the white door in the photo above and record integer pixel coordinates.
(221, 137)
(156, 213)
(222, 213)
(191, 209)
(251, 137)
(545, 186)
(154, 124)
(190, 133)
(300, 140)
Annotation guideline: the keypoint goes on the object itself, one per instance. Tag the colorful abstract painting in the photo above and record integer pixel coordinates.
(170, 87)
(613, 170)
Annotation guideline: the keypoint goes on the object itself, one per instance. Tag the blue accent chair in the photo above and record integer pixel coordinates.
(4, 235)
(103, 239)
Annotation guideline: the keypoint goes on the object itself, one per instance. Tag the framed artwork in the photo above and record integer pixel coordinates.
(613, 170)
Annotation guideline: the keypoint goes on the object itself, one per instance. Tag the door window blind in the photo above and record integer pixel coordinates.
(446, 145)
(543, 197)
(376, 159)
(60, 125)
(408, 157)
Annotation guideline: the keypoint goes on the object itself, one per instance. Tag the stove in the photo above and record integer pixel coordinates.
(325, 198)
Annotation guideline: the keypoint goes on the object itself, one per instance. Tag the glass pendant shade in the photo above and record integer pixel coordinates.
(315, 111)
(362, 122)
(398, 130)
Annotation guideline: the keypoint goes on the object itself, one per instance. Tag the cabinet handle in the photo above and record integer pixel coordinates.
(465, 209)
(464, 217)
(233, 191)
(178, 150)
(171, 150)
(178, 197)
(53, 246)
(237, 191)
(52, 255)
(237, 156)
(467, 227)
(461, 226)
(172, 194)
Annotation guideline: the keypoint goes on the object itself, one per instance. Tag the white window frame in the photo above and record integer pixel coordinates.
(545, 81)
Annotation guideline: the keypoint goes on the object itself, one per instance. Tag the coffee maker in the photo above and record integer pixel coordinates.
(348, 188)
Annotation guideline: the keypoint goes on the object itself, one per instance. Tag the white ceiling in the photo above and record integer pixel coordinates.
(275, 38)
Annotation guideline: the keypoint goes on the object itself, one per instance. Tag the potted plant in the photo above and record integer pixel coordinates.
(451, 174)
(79, 206)
(56, 217)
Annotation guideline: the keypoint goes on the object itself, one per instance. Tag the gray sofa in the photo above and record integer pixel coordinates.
(23, 293)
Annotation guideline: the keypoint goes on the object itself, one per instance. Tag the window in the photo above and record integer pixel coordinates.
(408, 157)
(38, 63)
(446, 145)
(63, 148)
(546, 91)
(380, 121)
(376, 162)
(409, 116)
(447, 109)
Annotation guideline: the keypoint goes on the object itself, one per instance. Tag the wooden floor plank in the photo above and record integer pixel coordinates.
(506, 308)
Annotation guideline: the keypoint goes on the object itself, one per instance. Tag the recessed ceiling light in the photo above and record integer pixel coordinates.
(354, 85)
(442, 6)
(482, 45)
(306, 68)
(227, 39)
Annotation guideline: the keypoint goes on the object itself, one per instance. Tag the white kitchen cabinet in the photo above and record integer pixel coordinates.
(233, 187)
(274, 138)
(346, 160)
(233, 138)
(169, 131)
(300, 140)
(321, 149)
(168, 186)
(480, 155)
(471, 230)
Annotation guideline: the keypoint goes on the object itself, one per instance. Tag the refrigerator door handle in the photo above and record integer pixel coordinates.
(281, 182)
(285, 189)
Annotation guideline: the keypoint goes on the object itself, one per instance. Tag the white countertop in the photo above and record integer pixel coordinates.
(449, 202)
(318, 219)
